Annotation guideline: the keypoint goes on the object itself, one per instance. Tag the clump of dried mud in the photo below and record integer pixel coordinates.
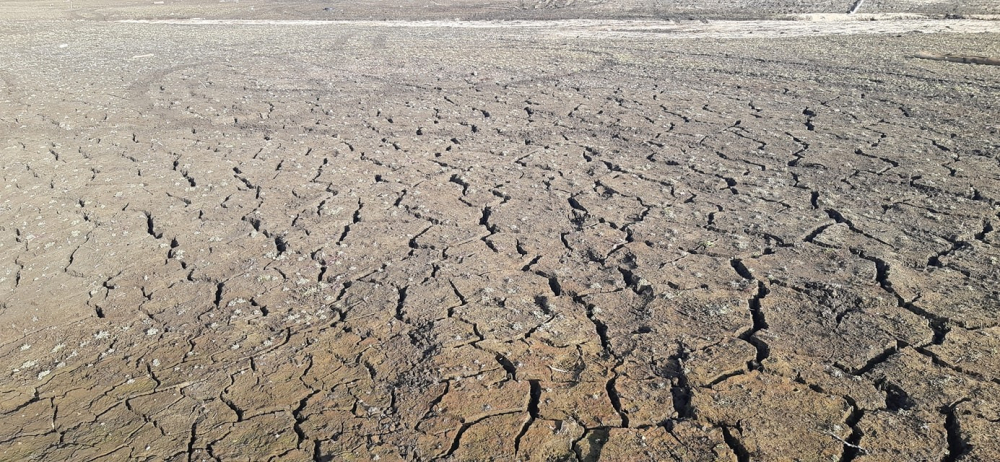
(508, 242)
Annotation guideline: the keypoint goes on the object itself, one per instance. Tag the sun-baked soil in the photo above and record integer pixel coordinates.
(574, 240)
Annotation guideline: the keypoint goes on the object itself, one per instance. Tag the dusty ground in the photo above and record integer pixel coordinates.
(509, 241)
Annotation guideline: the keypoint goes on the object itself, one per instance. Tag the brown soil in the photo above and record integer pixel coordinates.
(574, 240)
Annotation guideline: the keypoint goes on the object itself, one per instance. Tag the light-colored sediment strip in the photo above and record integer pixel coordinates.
(964, 59)
(797, 26)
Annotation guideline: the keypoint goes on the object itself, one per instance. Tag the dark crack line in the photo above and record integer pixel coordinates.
(957, 446)
(852, 449)
(839, 218)
(534, 396)
(465, 426)
(599, 326)
(756, 314)
(734, 443)
(299, 419)
(939, 325)
(616, 401)
(874, 361)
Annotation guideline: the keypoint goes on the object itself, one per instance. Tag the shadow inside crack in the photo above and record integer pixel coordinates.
(593, 443)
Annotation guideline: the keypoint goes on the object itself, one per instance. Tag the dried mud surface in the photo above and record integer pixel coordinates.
(342, 242)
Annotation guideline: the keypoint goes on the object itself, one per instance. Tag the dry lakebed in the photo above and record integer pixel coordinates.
(511, 231)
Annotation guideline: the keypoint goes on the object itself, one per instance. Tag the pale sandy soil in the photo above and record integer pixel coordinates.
(805, 26)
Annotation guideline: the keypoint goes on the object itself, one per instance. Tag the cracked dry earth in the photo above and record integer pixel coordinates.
(250, 242)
